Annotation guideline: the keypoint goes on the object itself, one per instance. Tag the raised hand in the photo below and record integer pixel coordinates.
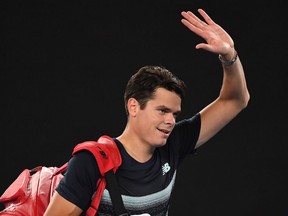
(217, 39)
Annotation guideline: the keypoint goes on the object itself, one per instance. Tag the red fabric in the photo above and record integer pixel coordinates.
(30, 193)
(108, 157)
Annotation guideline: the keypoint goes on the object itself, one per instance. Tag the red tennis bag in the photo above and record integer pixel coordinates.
(30, 193)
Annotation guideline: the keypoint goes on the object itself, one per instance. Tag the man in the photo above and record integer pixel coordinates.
(152, 144)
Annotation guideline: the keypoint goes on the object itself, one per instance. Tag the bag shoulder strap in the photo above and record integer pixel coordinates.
(108, 158)
(104, 150)
(113, 188)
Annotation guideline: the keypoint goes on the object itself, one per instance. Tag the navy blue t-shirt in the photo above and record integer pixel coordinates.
(145, 187)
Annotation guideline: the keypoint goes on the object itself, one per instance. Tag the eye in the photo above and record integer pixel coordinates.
(176, 114)
(163, 111)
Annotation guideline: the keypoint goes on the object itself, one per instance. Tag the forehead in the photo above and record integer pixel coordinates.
(166, 98)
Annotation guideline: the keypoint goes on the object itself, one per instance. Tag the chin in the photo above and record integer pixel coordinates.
(161, 143)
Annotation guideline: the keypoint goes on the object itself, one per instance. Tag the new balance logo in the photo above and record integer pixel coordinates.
(165, 168)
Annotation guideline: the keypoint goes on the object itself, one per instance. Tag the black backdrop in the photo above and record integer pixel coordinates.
(64, 66)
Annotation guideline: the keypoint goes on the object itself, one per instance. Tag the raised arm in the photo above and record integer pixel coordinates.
(234, 95)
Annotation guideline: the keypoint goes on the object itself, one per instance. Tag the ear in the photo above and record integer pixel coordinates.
(132, 106)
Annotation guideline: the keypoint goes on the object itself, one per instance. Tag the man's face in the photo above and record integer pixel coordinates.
(154, 124)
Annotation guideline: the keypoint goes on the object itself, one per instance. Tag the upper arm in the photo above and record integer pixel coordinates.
(215, 116)
(62, 207)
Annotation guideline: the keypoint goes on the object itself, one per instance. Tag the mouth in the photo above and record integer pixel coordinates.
(166, 132)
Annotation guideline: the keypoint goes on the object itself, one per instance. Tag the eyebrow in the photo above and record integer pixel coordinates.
(167, 109)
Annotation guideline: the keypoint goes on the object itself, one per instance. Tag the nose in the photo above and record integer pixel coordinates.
(170, 119)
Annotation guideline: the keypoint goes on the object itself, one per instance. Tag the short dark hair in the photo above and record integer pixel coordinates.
(143, 84)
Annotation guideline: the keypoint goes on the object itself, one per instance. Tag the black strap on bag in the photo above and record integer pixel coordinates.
(115, 195)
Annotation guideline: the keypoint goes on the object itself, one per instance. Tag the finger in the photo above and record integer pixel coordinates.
(201, 46)
(193, 19)
(199, 21)
(206, 17)
(192, 27)
(204, 46)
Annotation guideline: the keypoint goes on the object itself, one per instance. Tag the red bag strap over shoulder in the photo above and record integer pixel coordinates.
(105, 151)
(108, 157)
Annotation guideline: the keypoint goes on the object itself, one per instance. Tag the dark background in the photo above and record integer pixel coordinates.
(65, 64)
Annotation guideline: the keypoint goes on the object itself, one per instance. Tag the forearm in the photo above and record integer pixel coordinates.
(234, 88)
(233, 98)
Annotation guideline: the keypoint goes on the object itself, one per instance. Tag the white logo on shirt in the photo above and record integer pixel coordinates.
(165, 168)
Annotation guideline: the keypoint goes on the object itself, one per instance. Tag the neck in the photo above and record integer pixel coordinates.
(140, 151)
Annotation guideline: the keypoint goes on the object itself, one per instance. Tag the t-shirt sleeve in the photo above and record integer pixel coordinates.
(79, 182)
(185, 136)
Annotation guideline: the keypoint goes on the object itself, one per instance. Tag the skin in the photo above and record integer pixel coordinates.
(234, 95)
(149, 128)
